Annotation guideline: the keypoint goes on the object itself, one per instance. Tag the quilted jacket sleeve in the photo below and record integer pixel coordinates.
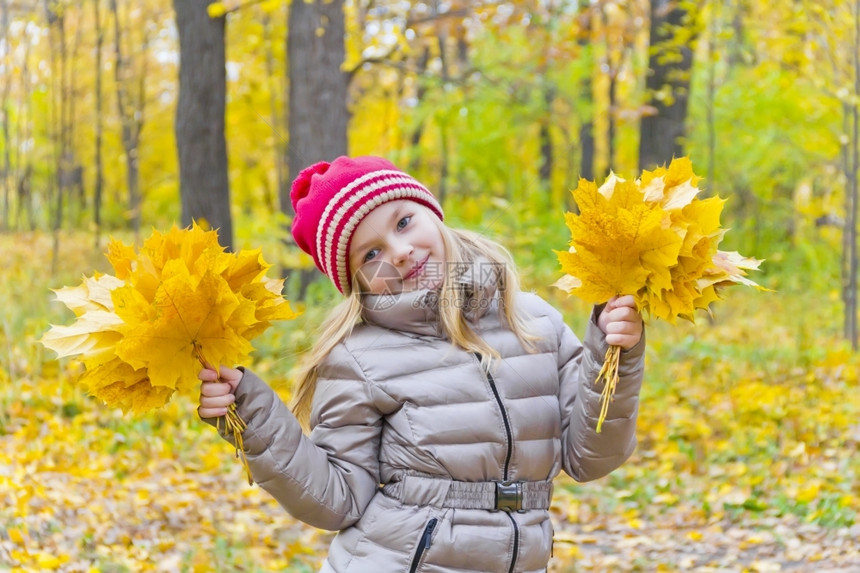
(328, 478)
(588, 455)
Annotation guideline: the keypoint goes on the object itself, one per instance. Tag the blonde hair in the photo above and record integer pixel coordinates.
(462, 248)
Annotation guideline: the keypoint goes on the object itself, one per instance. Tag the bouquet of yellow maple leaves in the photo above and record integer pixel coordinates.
(652, 238)
(179, 302)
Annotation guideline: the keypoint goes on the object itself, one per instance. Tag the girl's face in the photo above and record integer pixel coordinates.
(398, 247)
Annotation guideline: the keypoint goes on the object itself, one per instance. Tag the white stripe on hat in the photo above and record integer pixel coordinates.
(340, 259)
(333, 203)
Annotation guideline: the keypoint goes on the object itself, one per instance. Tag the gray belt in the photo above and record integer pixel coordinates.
(491, 495)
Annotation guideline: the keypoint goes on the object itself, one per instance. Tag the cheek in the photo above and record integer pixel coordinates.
(379, 277)
(435, 242)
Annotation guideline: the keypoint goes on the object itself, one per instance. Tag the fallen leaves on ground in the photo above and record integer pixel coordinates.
(91, 491)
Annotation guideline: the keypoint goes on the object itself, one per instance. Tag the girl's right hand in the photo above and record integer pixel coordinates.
(217, 391)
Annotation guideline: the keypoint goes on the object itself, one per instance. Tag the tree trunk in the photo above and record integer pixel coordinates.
(853, 192)
(586, 142)
(614, 59)
(4, 109)
(99, 174)
(611, 121)
(131, 113)
(23, 163)
(25, 198)
(586, 126)
(200, 139)
(317, 108)
(710, 95)
(318, 115)
(849, 239)
(57, 41)
(445, 150)
(547, 159)
(445, 158)
(274, 117)
(418, 132)
(736, 46)
(76, 170)
(668, 86)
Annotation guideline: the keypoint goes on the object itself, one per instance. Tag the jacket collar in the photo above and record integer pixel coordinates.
(418, 311)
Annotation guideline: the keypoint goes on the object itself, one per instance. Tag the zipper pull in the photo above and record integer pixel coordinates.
(428, 533)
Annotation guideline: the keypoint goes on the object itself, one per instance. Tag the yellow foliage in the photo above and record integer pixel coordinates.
(651, 238)
(216, 10)
(142, 333)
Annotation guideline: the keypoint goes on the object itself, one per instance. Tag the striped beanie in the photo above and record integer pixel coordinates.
(331, 199)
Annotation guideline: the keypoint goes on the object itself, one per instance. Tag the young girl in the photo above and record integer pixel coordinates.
(441, 400)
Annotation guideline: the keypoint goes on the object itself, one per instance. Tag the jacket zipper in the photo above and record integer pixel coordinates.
(516, 542)
(423, 544)
(508, 433)
(510, 443)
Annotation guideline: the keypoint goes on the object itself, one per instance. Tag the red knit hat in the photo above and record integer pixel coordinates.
(331, 199)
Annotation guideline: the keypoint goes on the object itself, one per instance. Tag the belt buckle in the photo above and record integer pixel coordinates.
(509, 496)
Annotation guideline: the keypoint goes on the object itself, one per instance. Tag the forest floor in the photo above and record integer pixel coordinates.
(72, 510)
(763, 546)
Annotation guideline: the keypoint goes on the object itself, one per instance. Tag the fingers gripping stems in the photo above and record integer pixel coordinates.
(233, 424)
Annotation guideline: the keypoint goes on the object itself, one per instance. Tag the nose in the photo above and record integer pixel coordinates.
(400, 251)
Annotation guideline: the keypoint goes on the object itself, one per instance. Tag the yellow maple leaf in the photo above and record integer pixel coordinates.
(120, 385)
(95, 328)
(652, 238)
(670, 196)
(619, 243)
(245, 268)
(186, 314)
(121, 258)
(179, 300)
(92, 294)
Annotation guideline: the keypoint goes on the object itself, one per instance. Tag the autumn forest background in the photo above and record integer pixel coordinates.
(117, 117)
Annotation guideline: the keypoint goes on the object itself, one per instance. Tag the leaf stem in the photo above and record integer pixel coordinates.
(609, 375)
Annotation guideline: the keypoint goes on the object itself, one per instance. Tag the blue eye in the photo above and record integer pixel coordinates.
(370, 254)
(403, 222)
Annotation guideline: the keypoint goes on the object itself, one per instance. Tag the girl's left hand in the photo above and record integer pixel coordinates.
(621, 322)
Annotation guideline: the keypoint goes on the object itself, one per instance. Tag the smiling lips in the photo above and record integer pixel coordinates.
(417, 269)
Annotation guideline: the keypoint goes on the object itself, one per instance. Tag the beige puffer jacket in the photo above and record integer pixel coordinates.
(397, 406)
